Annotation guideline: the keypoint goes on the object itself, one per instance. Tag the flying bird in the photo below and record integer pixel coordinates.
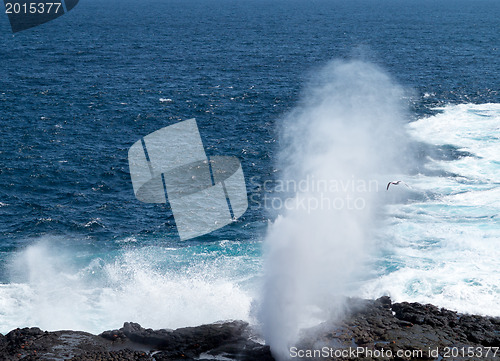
(396, 183)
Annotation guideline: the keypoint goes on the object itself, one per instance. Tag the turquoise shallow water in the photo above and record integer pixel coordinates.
(76, 93)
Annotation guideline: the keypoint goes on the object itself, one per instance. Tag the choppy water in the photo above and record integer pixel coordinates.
(78, 251)
(443, 249)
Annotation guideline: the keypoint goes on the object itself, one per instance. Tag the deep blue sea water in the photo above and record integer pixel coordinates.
(78, 251)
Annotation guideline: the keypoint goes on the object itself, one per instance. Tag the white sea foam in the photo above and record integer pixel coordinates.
(51, 291)
(474, 128)
(444, 250)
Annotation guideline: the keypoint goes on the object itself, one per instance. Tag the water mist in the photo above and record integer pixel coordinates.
(346, 133)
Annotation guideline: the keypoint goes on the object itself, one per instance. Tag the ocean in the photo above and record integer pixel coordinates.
(79, 251)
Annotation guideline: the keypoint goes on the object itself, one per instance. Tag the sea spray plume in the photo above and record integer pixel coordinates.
(348, 128)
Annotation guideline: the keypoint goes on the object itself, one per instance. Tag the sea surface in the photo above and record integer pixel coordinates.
(79, 251)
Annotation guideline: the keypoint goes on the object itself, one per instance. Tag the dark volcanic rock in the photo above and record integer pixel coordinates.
(230, 339)
(35, 344)
(415, 331)
(419, 332)
(133, 342)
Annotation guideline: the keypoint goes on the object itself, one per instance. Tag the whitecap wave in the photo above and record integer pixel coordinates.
(444, 249)
(54, 289)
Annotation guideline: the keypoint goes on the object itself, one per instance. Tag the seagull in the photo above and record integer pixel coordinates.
(396, 183)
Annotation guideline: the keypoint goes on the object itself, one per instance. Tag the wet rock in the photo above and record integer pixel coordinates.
(376, 325)
(415, 331)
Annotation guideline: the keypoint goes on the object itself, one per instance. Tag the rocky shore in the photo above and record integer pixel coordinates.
(372, 330)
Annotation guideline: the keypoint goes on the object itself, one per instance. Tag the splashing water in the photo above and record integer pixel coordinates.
(55, 286)
(347, 131)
